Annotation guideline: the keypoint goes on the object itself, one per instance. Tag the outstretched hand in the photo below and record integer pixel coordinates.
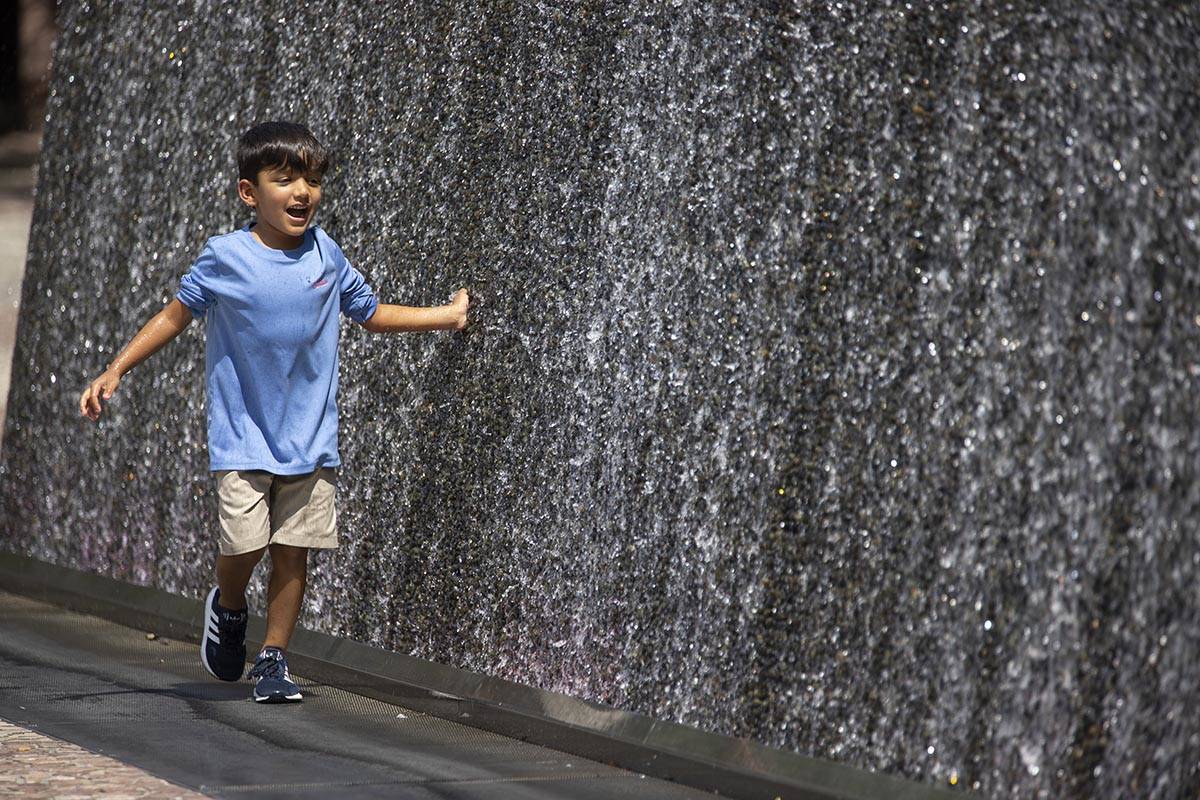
(104, 386)
(459, 306)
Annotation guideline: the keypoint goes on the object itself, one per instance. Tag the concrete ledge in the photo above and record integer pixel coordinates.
(731, 767)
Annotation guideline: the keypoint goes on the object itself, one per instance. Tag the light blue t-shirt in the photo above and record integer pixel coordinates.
(271, 347)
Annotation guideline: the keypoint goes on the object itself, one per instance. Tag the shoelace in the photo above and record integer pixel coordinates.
(269, 667)
(231, 629)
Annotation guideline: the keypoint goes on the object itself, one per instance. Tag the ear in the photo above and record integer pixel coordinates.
(246, 191)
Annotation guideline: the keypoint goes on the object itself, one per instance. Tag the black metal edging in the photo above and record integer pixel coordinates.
(731, 767)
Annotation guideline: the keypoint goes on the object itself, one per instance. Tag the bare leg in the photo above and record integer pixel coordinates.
(233, 573)
(289, 571)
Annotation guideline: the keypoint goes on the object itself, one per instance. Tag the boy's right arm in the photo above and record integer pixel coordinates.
(162, 328)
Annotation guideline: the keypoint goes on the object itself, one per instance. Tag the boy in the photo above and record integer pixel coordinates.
(270, 292)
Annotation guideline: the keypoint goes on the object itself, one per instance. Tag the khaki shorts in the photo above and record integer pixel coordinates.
(258, 508)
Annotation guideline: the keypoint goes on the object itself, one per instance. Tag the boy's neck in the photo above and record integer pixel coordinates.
(274, 239)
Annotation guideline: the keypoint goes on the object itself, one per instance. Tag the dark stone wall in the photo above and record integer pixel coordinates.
(832, 380)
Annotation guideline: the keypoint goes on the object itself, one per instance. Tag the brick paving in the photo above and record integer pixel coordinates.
(37, 766)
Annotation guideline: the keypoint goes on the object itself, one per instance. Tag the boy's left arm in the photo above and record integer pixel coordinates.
(390, 318)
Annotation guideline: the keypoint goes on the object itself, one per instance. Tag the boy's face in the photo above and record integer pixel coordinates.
(284, 200)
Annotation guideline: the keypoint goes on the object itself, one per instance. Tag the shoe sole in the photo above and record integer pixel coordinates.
(278, 698)
(210, 632)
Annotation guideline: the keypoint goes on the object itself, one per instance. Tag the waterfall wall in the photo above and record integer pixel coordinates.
(832, 379)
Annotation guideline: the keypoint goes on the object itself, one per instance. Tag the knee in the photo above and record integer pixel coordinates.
(289, 556)
(246, 560)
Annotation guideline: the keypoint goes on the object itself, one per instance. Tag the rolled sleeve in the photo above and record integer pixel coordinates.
(196, 286)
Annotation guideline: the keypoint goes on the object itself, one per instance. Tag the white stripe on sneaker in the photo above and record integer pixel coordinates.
(208, 603)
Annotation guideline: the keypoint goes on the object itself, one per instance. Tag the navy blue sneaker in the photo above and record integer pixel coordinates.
(223, 647)
(273, 683)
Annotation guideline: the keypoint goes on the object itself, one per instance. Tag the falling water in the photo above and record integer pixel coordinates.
(832, 379)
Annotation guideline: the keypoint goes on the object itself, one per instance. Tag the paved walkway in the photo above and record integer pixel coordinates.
(37, 767)
(149, 703)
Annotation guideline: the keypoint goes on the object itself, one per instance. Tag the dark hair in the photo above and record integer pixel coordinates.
(279, 144)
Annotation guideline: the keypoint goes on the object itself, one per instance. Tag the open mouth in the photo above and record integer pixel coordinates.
(298, 213)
